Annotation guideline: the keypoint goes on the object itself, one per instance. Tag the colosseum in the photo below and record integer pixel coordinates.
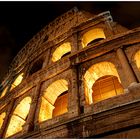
(76, 78)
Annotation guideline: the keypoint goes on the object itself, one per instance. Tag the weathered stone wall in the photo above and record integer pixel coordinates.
(116, 117)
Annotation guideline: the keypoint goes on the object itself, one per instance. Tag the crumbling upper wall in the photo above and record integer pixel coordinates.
(58, 29)
(49, 33)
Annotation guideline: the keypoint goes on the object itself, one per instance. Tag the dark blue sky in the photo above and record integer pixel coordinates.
(19, 21)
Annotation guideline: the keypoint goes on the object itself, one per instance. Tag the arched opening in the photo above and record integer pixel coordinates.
(61, 51)
(4, 92)
(17, 81)
(95, 72)
(36, 66)
(19, 117)
(92, 36)
(54, 100)
(106, 87)
(60, 105)
(2, 116)
(137, 59)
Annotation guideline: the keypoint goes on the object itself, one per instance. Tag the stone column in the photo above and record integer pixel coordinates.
(7, 119)
(46, 61)
(73, 101)
(29, 125)
(36, 119)
(74, 41)
(126, 67)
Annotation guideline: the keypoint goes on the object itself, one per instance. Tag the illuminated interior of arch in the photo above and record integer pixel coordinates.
(95, 72)
(60, 51)
(60, 104)
(137, 59)
(49, 99)
(17, 81)
(106, 87)
(2, 116)
(4, 92)
(91, 35)
(19, 116)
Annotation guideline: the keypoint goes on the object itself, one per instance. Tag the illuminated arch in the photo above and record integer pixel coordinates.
(137, 59)
(61, 51)
(92, 35)
(4, 92)
(19, 117)
(17, 81)
(2, 116)
(95, 72)
(49, 98)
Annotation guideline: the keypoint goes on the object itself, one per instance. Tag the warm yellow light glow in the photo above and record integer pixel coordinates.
(4, 92)
(55, 89)
(23, 108)
(2, 116)
(14, 126)
(46, 110)
(92, 35)
(60, 51)
(49, 99)
(106, 87)
(61, 105)
(17, 81)
(19, 117)
(137, 59)
(95, 72)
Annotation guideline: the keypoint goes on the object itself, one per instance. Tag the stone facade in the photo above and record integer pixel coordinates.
(115, 117)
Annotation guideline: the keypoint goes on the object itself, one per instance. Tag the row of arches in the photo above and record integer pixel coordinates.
(90, 36)
(58, 53)
(54, 102)
(101, 81)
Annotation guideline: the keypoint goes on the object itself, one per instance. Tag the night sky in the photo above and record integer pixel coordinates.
(19, 21)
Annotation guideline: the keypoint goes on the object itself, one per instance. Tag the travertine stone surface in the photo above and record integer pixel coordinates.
(115, 117)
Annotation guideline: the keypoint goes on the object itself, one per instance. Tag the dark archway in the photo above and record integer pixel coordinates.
(36, 66)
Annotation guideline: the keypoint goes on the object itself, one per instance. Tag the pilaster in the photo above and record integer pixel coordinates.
(29, 125)
(130, 77)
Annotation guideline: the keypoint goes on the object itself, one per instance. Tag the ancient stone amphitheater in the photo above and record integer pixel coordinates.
(77, 78)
